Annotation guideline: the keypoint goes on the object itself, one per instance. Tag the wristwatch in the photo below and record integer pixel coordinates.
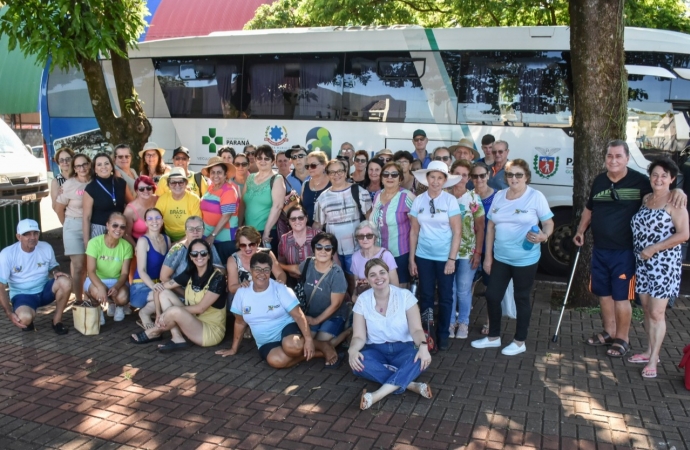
(416, 347)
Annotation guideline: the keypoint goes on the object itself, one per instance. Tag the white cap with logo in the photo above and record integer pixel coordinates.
(26, 225)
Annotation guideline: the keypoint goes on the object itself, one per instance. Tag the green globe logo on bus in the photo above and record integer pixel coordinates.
(217, 140)
(319, 138)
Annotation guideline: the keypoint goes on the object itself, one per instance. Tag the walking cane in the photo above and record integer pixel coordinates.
(565, 300)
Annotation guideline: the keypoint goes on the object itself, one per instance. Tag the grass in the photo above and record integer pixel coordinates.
(637, 313)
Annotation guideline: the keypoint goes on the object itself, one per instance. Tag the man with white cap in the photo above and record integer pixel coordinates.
(25, 267)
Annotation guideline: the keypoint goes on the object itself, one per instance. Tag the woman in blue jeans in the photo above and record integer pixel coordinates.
(435, 222)
(470, 253)
(513, 251)
(388, 344)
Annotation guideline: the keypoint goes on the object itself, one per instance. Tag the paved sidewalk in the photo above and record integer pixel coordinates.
(91, 392)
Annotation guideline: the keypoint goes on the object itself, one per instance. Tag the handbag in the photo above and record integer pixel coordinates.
(685, 364)
(87, 318)
(508, 302)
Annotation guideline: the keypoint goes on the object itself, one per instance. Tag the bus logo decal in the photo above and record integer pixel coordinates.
(319, 138)
(212, 140)
(276, 135)
(545, 164)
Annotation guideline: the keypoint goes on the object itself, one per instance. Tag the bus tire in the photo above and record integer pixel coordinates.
(555, 253)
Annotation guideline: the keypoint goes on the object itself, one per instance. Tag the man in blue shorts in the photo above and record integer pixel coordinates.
(25, 267)
(615, 197)
(273, 314)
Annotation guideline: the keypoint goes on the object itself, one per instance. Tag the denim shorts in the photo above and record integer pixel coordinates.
(333, 326)
(345, 263)
(138, 294)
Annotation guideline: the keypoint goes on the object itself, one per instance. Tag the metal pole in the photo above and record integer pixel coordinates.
(567, 292)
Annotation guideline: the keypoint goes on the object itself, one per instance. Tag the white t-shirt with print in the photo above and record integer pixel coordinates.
(26, 272)
(435, 232)
(392, 327)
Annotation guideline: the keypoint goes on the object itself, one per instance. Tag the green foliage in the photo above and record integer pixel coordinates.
(662, 14)
(73, 30)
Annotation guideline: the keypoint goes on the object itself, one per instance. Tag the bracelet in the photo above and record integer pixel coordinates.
(416, 347)
(451, 259)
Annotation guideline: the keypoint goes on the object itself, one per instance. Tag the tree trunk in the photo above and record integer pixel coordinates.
(599, 107)
(132, 127)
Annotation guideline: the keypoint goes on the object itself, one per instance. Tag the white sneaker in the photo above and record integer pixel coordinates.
(119, 314)
(514, 349)
(486, 343)
(462, 331)
(102, 318)
(128, 310)
(451, 331)
(111, 309)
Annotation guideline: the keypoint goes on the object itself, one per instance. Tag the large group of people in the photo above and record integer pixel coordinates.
(320, 252)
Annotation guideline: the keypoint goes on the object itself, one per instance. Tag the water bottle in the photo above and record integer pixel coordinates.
(526, 244)
(413, 286)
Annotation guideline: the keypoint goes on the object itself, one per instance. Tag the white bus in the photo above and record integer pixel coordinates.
(373, 86)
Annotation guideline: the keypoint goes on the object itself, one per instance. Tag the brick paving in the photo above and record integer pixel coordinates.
(102, 392)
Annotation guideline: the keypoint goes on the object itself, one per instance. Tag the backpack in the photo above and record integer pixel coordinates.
(354, 189)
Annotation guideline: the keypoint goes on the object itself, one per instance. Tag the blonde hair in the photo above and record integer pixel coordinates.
(320, 156)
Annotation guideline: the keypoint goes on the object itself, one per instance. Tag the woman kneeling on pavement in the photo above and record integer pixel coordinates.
(201, 318)
(388, 343)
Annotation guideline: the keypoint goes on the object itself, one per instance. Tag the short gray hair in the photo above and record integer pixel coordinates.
(191, 219)
(502, 142)
(368, 224)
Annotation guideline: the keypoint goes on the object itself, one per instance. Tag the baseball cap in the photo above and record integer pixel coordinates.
(26, 225)
(418, 133)
(179, 150)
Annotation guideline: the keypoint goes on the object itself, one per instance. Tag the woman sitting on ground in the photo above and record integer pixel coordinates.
(201, 318)
(367, 235)
(387, 332)
(150, 252)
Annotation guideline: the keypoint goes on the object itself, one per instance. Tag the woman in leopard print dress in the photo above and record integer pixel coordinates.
(658, 230)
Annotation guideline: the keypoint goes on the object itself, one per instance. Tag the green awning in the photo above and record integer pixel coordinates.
(20, 79)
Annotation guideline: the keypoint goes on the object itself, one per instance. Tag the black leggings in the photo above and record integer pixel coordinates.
(523, 279)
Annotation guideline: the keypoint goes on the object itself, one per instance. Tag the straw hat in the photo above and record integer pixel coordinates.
(436, 166)
(218, 161)
(151, 146)
(464, 142)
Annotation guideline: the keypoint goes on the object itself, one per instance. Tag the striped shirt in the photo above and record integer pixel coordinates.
(393, 221)
(338, 211)
(215, 203)
(290, 252)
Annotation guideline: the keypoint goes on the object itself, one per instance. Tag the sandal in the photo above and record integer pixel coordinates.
(648, 373)
(425, 390)
(143, 338)
(171, 346)
(640, 359)
(29, 327)
(147, 326)
(366, 400)
(485, 329)
(620, 347)
(596, 339)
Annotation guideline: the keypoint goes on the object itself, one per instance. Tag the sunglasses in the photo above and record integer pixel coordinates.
(325, 248)
(264, 270)
(385, 160)
(202, 253)
(244, 164)
(176, 183)
(82, 166)
(517, 175)
(342, 158)
(476, 176)
(390, 174)
(335, 172)
(64, 160)
(195, 229)
(442, 158)
(265, 158)
(250, 245)
(147, 188)
(300, 156)
(368, 236)
(297, 219)
(614, 193)
(181, 158)
(432, 207)
(312, 166)
(361, 160)
(124, 156)
(249, 153)
(121, 226)
(498, 152)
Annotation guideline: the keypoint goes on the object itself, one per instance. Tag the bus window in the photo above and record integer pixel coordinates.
(650, 118)
(385, 87)
(294, 86)
(68, 95)
(201, 88)
(514, 87)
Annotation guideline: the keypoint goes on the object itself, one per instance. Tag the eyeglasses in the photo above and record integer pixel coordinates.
(64, 160)
(181, 158)
(265, 158)
(432, 207)
(517, 175)
(151, 219)
(614, 193)
(297, 219)
(342, 158)
(250, 245)
(202, 253)
(177, 183)
(300, 156)
(312, 166)
(368, 236)
(244, 164)
(325, 248)
(148, 188)
(195, 229)
(124, 156)
(498, 152)
(264, 270)
(419, 139)
(390, 174)
(121, 226)
(151, 155)
(82, 166)
(335, 172)
(347, 150)
(442, 158)
(361, 160)
(249, 153)
(476, 176)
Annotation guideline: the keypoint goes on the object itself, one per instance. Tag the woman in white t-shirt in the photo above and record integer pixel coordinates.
(435, 222)
(513, 251)
(388, 343)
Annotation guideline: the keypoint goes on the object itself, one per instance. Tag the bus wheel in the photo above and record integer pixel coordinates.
(555, 254)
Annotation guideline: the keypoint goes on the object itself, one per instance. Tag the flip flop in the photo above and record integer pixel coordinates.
(365, 401)
(59, 328)
(648, 373)
(425, 390)
(143, 338)
(640, 359)
(619, 346)
(171, 346)
(338, 363)
(596, 341)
